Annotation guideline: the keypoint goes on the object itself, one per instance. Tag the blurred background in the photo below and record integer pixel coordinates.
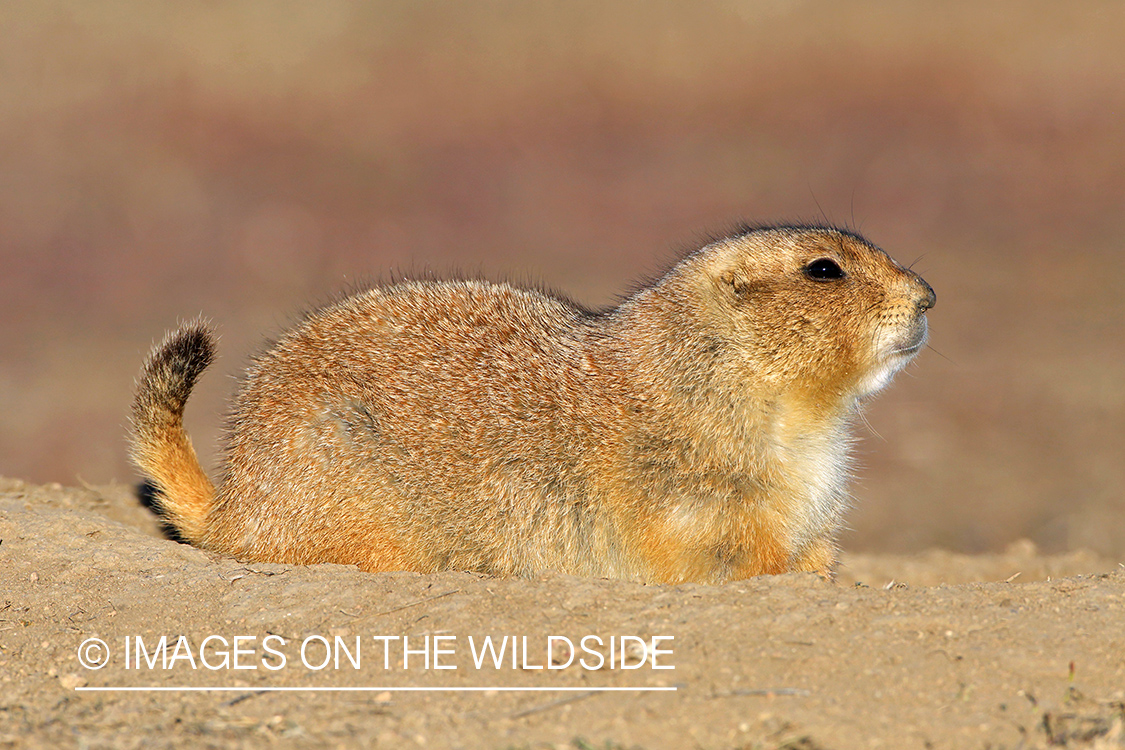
(249, 161)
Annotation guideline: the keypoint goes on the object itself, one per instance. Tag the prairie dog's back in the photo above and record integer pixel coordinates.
(422, 395)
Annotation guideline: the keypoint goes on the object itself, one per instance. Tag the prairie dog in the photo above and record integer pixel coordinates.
(699, 431)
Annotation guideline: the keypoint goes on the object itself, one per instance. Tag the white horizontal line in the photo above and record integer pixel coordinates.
(186, 689)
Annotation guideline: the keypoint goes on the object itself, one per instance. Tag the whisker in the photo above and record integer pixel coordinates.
(870, 427)
(818, 206)
(935, 351)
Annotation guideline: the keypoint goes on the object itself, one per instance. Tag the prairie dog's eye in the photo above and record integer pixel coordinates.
(824, 269)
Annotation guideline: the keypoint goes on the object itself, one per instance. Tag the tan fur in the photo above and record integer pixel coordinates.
(697, 432)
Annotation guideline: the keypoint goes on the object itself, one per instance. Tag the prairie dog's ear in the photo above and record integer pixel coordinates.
(734, 281)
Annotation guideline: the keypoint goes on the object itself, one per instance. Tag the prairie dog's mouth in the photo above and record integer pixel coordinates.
(916, 339)
(902, 349)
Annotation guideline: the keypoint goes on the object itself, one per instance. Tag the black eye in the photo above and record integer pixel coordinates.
(824, 269)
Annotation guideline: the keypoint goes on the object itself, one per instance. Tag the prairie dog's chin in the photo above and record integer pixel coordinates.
(881, 377)
(898, 353)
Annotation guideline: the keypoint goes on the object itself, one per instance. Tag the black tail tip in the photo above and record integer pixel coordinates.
(172, 368)
(193, 343)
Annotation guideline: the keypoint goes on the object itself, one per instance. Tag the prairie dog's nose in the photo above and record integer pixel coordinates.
(929, 298)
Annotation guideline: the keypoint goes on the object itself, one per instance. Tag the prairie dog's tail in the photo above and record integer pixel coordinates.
(159, 446)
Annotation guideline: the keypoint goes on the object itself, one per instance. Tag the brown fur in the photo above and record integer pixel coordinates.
(697, 432)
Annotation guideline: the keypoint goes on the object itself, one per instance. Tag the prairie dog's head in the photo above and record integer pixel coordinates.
(815, 312)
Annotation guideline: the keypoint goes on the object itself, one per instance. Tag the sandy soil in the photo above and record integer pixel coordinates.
(1012, 650)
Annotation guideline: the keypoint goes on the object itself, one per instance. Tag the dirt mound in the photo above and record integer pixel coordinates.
(902, 652)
